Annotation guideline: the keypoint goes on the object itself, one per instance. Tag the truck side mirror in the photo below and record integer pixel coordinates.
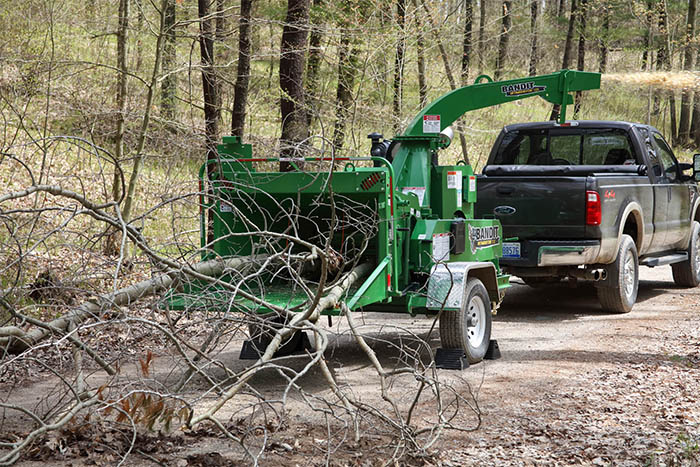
(696, 167)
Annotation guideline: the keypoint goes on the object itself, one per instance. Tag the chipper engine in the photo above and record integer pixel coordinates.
(391, 232)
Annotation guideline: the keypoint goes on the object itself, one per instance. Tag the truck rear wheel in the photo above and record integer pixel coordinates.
(470, 327)
(619, 292)
(687, 273)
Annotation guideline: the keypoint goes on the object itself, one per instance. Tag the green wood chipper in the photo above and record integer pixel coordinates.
(400, 222)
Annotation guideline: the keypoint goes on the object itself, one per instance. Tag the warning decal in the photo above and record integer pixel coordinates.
(441, 247)
(431, 124)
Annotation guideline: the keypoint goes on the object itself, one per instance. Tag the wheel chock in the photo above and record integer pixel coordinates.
(254, 348)
(493, 352)
(451, 359)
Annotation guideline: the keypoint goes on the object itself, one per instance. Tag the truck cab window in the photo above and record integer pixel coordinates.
(607, 148)
(669, 164)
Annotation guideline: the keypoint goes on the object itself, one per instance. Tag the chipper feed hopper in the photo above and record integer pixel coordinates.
(398, 220)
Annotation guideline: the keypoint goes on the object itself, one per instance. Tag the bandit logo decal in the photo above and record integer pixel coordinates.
(482, 237)
(521, 89)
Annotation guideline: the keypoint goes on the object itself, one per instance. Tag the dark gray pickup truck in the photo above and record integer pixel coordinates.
(592, 200)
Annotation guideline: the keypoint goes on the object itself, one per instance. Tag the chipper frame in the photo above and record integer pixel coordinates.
(425, 252)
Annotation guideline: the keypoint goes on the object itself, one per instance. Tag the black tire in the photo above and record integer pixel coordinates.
(619, 292)
(687, 273)
(470, 327)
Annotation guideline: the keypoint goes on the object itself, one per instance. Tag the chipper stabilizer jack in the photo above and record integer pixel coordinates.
(423, 252)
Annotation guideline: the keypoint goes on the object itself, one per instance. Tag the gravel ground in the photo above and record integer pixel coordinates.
(574, 386)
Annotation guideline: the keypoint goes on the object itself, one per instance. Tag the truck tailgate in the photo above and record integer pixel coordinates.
(534, 207)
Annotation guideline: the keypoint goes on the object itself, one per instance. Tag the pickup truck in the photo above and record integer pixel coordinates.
(592, 201)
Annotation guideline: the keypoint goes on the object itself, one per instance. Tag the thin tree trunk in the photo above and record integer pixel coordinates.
(295, 126)
(663, 62)
(695, 123)
(648, 36)
(420, 52)
(556, 108)
(503, 42)
(168, 87)
(482, 41)
(533, 32)
(398, 64)
(220, 20)
(467, 40)
(314, 64)
(603, 43)
(687, 94)
(140, 19)
(568, 45)
(209, 88)
(138, 160)
(111, 243)
(448, 70)
(122, 32)
(347, 70)
(561, 8)
(581, 62)
(240, 97)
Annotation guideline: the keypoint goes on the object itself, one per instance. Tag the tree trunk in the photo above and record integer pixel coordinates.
(420, 60)
(561, 8)
(209, 89)
(663, 63)
(347, 69)
(687, 94)
(503, 42)
(314, 64)
(295, 128)
(143, 130)
(168, 87)
(140, 19)
(448, 71)
(556, 108)
(111, 242)
(221, 20)
(533, 43)
(581, 62)
(240, 97)
(398, 64)
(467, 40)
(603, 43)
(482, 41)
(695, 123)
(121, 92)
(648, 39)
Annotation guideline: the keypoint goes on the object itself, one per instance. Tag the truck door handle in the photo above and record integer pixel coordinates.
(505, 190)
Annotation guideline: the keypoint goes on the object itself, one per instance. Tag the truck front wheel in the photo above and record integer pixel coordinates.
(468, 328)
(619, 292)
(687, 273)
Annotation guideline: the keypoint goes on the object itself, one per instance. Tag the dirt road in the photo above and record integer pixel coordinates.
(575, 386)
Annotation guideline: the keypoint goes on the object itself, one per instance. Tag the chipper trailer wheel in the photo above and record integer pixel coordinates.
(470, 327)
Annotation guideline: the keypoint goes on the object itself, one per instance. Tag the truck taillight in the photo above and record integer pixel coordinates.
(592, 208)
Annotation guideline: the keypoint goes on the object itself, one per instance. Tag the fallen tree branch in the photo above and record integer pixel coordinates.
(16, 340)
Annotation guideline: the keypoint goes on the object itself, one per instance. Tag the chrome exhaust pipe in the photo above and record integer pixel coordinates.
(589, 274)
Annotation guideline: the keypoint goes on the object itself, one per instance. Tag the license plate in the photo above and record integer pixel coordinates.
(511, 250)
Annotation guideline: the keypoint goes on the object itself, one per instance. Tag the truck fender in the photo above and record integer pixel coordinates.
(450, 278)
(694, 216)
(642, 240)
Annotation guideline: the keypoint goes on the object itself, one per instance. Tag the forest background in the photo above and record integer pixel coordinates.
(109, 109)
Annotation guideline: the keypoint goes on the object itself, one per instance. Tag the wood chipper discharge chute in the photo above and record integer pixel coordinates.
(396, 235)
